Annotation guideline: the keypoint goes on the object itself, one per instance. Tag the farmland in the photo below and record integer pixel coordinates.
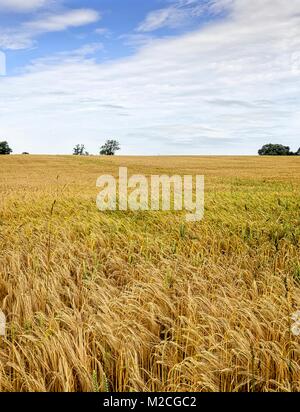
(144, 301)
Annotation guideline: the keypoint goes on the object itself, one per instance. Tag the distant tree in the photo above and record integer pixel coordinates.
(25, 153)
(110, 148)
(5, 149)
(79, 150)
(275, 150)
(298, 152)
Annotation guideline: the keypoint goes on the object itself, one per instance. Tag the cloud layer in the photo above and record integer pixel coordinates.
(228, 87)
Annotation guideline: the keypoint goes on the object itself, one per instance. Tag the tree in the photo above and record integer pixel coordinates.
(79, 150)
(298, 152)
(275, 150)
(110, 148)
(5, 149)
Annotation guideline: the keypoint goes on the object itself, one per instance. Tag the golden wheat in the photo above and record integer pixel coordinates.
(143, 301)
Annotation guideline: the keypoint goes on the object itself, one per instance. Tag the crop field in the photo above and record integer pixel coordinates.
(144, 301)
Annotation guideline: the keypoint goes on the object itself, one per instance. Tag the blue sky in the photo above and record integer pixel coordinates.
(161, 76)
(114, 26)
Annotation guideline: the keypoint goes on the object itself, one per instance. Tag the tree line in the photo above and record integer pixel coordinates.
(277, 150)
(112, 146)
(108, 149)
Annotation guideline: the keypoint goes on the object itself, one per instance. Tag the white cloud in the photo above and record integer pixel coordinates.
(23, 5)
(137, 40)
(14, 40)
(88, 50)
(228, 87)
(103, 31)
(170, 17)
(179, 13)
(59, 22)
(23, 36)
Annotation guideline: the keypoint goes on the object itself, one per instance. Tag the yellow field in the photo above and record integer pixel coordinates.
(144, 301)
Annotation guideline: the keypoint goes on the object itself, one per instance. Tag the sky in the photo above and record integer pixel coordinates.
(177, 77)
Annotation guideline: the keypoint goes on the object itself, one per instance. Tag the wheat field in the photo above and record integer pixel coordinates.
(143, 301)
